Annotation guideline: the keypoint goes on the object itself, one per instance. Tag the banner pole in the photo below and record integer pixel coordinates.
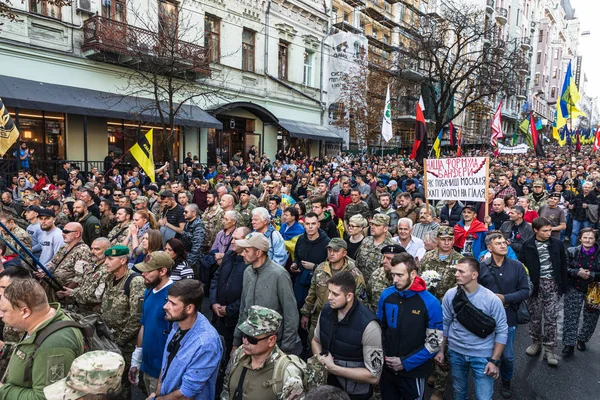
(487, 186)
(425, 185)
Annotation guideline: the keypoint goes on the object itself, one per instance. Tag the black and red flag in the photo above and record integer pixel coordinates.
(419, 149)
(453, 141)
(535, 138)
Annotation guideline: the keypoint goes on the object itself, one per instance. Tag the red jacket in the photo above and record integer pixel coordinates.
(343, 200)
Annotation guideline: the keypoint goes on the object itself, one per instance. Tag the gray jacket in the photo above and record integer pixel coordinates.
(270, 286)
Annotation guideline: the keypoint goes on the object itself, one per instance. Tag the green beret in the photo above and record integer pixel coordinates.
(117, 251)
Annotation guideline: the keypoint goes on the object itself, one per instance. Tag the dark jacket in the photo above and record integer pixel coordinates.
(452, 216)
(578, 212)
(525, 232)
(576, 262)
(531, 259)
(193, 240)
(412, 325)
(498, 219)
(91, 228)
(510, 280)
(226, 286)
(200, 199)
(314, 251)
(328, 226)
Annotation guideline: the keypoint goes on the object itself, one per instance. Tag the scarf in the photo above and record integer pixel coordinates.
(460, 234)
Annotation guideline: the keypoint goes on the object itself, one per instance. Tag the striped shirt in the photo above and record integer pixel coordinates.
(182, 271)
(419, 230)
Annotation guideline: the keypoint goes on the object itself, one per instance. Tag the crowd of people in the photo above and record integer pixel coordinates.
(292, 278)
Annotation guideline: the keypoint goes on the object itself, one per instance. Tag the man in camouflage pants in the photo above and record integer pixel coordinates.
(441, 260)
(368, 255)
(212, 218)
(382, 278)
(337, 261)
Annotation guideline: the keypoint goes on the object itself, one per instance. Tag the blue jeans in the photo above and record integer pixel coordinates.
(563, 233)
(577, 226)
(459, 367)
(508, 356)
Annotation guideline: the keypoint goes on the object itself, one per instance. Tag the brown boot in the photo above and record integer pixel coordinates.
(437, 395)
(431, 380)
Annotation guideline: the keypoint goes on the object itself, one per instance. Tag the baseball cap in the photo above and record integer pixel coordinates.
(445, 231)
(94, 372)
(470, 207)
(338, 243)
(154, 261)
(260, 321)
(392, 183)
(556, 195)
(46, 212)
(538, 182)
(140, 199)
(256, 240)
(381, 219)
(380, 184)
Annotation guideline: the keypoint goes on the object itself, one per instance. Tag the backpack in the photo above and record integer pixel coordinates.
(96, 334)
(313, 373)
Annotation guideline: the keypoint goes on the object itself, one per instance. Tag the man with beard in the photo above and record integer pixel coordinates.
(190, 361)
(152, 337)
(385, 201)
(88, 295)
(348, 340)
(51, 238)
(9, 206)
(200, 195)
(122, 306)
(107, 218)
(412, 324)
(89, 222)
(121, 231)
(381, 278)
(212, 218)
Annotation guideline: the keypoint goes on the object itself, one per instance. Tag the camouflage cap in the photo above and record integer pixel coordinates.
(94, 372)
(89, 185)
(261, 320)
(155, 260)
(140, 199)
(381, 219)
(338, 243)
(117, 251)
(445, 231)
(538, 182)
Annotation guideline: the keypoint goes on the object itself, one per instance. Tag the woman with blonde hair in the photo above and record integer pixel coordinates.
(355, 234)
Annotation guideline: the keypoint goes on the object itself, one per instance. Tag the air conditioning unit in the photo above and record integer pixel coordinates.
(85, 6)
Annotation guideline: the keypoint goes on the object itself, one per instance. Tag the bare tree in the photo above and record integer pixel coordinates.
(165, 63)
(463, 56)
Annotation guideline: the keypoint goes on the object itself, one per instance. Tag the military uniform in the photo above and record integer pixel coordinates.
(380, 280)
(259, 383)
(368, 255)
(20, 234)
(536, 204)
(213, 223)
(318, 292)
(245, 214)
(119, 233)
(107, 223)
(91, 228)
(61, 219)
(88, 294)
(69, 266)
(390, 212)
(356, 209)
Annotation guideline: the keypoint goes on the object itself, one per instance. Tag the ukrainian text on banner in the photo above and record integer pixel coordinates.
(518, 149)
(463, 178)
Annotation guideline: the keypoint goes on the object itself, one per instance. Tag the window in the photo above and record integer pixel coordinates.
(541, 38)
(537, 78)
(334, 14)
(308, 68)
(283, 60)
(247, 50)
(346, 17)
(539, 57)
(113, 9)
(555, 73)
(44, 8)
(553, 91)
(212, 37)
(168, 15)
(556, 54)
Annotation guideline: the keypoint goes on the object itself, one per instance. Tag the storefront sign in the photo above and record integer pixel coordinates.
(464, 178)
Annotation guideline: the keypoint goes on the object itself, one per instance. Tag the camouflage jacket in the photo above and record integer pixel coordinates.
(122, 313)
(107, 223)
(431, 262)
(20, 234)
(88, 294)
(245, 214)
(61, 219)
(390, 212)
(536, 204)
(213, 223)
(118, 233)
(259, 387)
(317, 293)
(69, 266)
(368, 255)
(380, 280)
(356, 209)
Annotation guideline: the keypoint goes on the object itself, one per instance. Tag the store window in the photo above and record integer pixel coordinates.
(122, 135)
(43, 131)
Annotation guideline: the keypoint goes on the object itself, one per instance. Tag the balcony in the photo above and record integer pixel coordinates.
(410, 70)
(489, 8)
(392, 1)
(526, 44)
(405, 109)
(522, 67)
(501, 15)
(346, 26)
(118, 43)
(355, 3)
(378, 14)
(521, 94)
(381, 44)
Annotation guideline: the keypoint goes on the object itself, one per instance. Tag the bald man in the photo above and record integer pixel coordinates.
(227, 203)
(72, 260)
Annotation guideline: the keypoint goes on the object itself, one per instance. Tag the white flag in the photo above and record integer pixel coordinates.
(386, 125)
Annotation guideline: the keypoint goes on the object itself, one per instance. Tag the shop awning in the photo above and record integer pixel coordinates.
(23, 93)
(309, 131)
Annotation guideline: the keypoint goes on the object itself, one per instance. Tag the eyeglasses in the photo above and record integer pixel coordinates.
(66, 231)
(354, 226)
(253, 340)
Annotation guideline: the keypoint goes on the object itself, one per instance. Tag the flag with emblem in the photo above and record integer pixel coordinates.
(142, 152)
(419, 149)
(386, 125)
(8, 130)
(535, 137)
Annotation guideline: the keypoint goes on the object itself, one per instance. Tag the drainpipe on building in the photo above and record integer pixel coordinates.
(267, 19)
(321, 98)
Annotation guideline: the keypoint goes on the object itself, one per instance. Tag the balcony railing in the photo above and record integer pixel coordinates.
(526, 44)
(490, 6)
(119, 43)
(501, 15)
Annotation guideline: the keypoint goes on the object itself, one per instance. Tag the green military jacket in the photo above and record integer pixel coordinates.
(20, 234)
(380, 280)
(368, 255)
(88, 294)
(431, 262)
(245, 214)
(52, 361)
(536, 204)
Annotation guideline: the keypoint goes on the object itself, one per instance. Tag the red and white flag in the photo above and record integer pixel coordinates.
(497, 126)
(597, 141)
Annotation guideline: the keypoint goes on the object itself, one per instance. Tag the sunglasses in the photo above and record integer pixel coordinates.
(66, 231)
(253, 340)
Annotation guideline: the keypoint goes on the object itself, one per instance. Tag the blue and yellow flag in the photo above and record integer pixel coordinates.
(8, 130)
(569, 97)
(142, 152)
(437, 144)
